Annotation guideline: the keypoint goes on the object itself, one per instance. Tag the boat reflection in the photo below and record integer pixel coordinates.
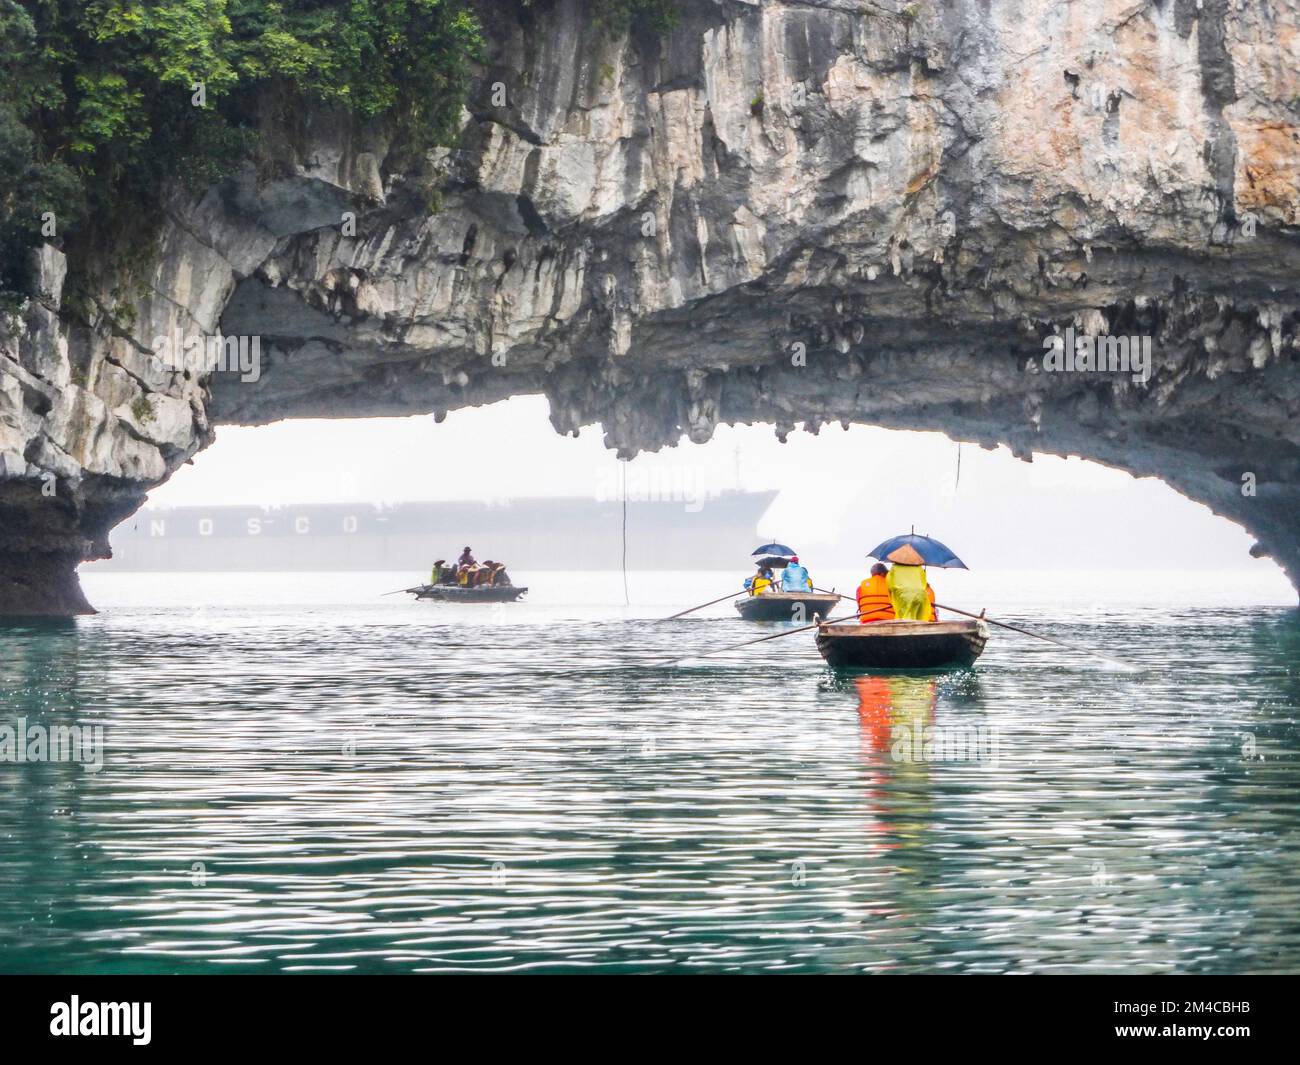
(892, 710)
(895, 712)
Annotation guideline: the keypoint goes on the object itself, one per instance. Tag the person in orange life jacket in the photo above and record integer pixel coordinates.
(874, 603)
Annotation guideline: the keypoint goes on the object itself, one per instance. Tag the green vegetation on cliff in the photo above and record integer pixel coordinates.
(104, 101)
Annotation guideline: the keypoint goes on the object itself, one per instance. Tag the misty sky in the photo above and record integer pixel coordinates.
(837, 490)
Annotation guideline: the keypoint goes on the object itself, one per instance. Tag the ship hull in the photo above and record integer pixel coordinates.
(529, 534)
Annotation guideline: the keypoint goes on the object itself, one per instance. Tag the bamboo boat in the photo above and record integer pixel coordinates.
(902, 644)
(454, 593)
(799, 607)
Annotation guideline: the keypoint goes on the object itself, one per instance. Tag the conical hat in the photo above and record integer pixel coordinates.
(907, 555)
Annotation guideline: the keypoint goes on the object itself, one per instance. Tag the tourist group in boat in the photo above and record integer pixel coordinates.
(467, 581)
(466, 572)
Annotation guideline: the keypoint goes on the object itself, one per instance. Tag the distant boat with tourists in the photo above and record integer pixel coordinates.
(786, 606)
(788, 597)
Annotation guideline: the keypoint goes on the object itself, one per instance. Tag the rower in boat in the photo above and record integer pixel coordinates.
(874, 600)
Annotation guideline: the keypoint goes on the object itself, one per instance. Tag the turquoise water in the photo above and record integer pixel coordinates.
(299, 776)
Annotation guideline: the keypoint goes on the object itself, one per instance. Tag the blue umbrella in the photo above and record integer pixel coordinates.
(913, 550)
(773, 549)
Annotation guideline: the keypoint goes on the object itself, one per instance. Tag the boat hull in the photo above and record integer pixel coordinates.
(786, 606)
(448, 593)
(903, 644)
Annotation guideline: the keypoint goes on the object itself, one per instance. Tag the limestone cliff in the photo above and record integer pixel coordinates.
(811, 212)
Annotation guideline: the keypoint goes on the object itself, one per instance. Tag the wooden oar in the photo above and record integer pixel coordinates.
(1037, 635)
(704, 654)
(401, 590)
(733, 595)
(763, 639)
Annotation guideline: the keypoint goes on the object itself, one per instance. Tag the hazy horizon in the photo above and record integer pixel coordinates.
(837, 490)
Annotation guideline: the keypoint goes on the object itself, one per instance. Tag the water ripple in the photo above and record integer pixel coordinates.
(401, 788)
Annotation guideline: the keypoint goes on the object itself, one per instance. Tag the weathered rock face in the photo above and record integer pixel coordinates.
(787, 212)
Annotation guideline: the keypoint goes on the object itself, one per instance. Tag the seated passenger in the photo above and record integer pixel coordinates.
(761, 582)
(794, 578)
(436, 576)
(910, 593)
(874, 603)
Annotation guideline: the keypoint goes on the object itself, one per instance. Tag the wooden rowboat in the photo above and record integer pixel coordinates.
(786, 606)
(453, 593)
(902, 644)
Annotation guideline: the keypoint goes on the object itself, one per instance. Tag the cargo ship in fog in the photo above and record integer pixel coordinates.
(529, 534)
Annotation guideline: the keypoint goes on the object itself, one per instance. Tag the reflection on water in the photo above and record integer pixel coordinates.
(404, 787)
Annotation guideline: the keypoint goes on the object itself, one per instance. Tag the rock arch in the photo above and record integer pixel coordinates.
(778, 212)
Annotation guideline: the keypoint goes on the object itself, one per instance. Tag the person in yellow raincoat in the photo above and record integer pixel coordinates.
(910, 592)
